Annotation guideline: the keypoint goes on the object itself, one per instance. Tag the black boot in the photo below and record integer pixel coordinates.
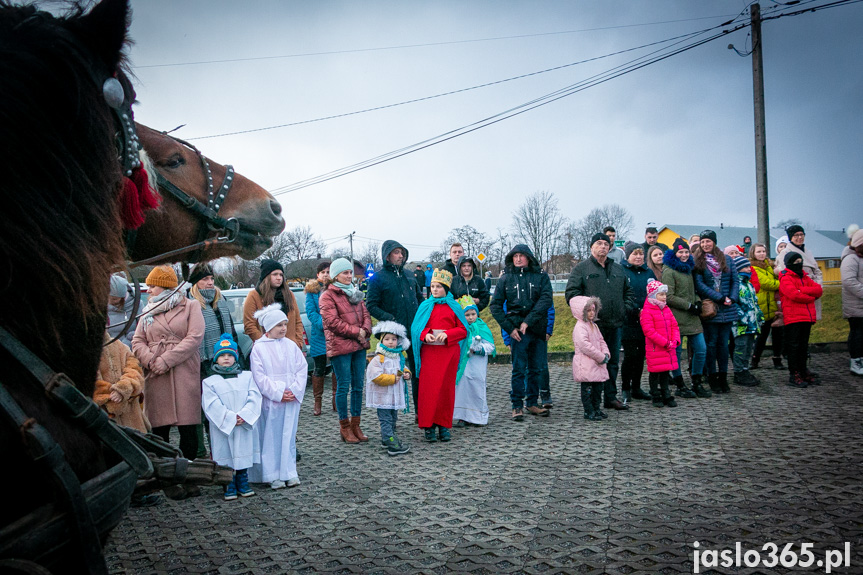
(697, 380)
(713, 380)
(682, 390)
(596, 400)
(655, 391)
(777, 363)
(754, 363)
(723, 382)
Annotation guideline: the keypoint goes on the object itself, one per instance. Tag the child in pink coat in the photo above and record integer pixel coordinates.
(661, 338)
(591, 355)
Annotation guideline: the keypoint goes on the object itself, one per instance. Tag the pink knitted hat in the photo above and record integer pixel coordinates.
(654, 287)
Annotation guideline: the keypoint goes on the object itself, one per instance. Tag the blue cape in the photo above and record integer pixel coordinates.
(422, 318)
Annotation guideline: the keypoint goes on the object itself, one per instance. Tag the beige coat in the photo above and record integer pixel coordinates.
(119, 371)
(173, 398)
(295, 323)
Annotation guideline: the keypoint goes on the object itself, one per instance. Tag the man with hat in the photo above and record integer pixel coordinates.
(598, 276)
(526, 291)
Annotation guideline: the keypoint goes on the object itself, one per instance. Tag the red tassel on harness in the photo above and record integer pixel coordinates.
(138, 196)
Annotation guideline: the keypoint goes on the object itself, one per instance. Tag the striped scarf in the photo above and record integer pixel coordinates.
(212, 329)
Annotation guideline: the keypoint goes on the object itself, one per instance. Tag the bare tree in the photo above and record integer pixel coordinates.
(300, 243)
(370, 254)
(577, 235)
(472, 240)
(438, 257)
(537, 222)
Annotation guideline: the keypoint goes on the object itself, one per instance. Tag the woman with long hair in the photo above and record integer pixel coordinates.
(767, 301)
(717, 281)
(271, 289)
(653, 259)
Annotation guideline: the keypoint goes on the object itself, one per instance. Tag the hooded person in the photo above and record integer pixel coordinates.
(468, 282)
(471, 406)
(851, 270)
(386, 382)
(394, 296)
(440, 347)
(598, 276)
(526, 291)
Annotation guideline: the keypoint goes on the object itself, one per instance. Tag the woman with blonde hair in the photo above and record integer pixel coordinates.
(769, 304)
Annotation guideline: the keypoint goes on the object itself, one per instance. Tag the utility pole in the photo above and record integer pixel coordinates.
(760, 134)
(351, 240)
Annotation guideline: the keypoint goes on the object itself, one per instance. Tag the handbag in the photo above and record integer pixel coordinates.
(708, 309)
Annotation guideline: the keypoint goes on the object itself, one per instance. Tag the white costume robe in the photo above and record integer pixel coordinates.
(470, 401)
(384, 396)
(223, 399)
(278, 365)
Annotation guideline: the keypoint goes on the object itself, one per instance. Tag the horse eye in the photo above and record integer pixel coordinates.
(174, 161)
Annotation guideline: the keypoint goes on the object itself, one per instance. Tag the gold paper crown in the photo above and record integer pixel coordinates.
(442, 277)
(465, 301)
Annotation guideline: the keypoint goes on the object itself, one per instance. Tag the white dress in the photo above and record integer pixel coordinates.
(384, 396)
(278, 365)
(223, 399)
(470, 401)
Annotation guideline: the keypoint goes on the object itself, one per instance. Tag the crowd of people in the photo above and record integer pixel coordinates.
(432, 347)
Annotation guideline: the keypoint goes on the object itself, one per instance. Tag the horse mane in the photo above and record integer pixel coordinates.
(60, 237)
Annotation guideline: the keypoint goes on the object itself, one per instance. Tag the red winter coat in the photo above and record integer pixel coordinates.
(661, 337)
(342, 322)
(798, 295)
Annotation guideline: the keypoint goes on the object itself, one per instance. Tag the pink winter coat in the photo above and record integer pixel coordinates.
(661, 337)
(590, 348)
(173, 398)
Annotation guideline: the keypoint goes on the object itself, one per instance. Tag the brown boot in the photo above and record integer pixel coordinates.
(347, 431)
(355, 427)
(335, 387)
(318, 392)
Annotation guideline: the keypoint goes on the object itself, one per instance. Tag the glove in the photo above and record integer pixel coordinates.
(479, 351)
(607, 357)
(695, 308)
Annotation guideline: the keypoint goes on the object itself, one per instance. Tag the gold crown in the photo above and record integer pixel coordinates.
(465, 301)
(442, 277)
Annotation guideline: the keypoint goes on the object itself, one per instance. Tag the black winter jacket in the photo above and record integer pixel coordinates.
(638, 278)
(475, 287)
(609, 284)
(527, 293)
(393, 293)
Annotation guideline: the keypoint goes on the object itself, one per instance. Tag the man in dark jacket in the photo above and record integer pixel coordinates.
(651, 238)
(598, 276)
(456, 251)
(527, 292)
(394, 296)
(467, 282)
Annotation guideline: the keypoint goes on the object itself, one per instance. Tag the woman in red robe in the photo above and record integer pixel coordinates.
(439, 335)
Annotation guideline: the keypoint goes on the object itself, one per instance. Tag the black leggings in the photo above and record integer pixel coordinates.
(855, 337)
(320, 365)
(761, 341)
(188, 438)
(633, 364)
(797, 345)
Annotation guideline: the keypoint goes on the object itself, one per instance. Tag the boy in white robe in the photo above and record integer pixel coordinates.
(232, 403)
(471, 407)
(279, 370)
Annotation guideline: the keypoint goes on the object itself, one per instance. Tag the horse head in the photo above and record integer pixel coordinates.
(174, 226)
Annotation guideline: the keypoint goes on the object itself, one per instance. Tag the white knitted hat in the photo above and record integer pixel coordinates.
(270, 316)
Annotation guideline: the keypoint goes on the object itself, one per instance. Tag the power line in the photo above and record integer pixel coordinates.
(423, 45)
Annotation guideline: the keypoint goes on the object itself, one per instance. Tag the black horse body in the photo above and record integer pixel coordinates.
(59, 186)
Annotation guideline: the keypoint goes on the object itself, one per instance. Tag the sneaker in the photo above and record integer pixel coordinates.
(395, 447)
(536, 410)
(795, 380)
(517, 415)
(657, 402)
(444, 434)
(811, 377)
(684, 392)
(589, 415)
(669, 402)
(293, 481)
(601, 414)
(857, 366)
(230, 491)
(241, 480)
(596, 417)
(459, 423)
(277, 484)
(430, 435)
(385, 444)
(637, 393)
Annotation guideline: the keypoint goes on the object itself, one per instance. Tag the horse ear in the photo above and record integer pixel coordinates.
(104, 30)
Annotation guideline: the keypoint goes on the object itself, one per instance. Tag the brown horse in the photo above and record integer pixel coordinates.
(173, 226)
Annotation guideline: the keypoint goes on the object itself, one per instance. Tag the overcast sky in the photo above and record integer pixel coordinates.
(673, 142)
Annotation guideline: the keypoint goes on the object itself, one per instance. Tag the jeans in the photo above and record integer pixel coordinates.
(388, 419)
(611, 335)
(797, 345)
(350, 374)
(855, 337)
(633, 364)
(717, 335)
(698, 346)
(529, 360)
(188, 438)
(743, 346)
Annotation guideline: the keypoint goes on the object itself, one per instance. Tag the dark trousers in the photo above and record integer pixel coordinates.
(855, 337)
(188, 438)
(797, 345)
(591, 395)
(611, 335)
(717, 336)
(761, 341)
(633, 364)
(659, 384)
(529, 360)
(415, 381)
(320, 368)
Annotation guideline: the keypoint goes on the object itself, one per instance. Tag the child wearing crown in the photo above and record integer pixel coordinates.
(438, 334)
(232, 404)
(471, 407)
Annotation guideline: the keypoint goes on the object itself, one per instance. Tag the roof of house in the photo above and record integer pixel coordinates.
(823, 244)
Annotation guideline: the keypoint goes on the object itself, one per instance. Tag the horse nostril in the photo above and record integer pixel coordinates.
(276, 207)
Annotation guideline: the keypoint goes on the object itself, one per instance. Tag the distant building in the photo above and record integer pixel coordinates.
(827, 245)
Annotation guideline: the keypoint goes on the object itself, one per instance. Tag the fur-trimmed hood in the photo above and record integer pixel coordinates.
(394, 328)
(674, 263)
(314, 286)
(580, 303)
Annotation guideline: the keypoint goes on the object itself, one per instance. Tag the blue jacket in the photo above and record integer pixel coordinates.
(317, 341)
(429, 274)
(729, 286)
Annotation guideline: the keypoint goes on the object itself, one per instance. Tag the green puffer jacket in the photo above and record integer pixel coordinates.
(677, 275)
(767, 294)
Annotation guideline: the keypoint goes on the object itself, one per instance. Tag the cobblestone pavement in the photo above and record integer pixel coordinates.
(555, 495)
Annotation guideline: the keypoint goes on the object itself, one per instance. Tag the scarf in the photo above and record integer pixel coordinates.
(161, 303)
(421, 319)
(227, 372)
(213, 328)
(392, 353)
(715, 270)
(354, 295)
